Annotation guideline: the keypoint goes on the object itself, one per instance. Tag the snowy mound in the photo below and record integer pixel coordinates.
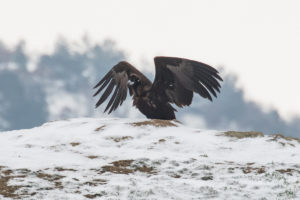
(148, 159)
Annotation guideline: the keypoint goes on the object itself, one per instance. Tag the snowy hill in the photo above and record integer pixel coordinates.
(148, 159)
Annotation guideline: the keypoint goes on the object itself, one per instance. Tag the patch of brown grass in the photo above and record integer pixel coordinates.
(95, 182)
(258, 170)
(279, 136)
(48, 177)
(74, 144)
(7, 190)
(61, 169)
(92, 196)
(125, 167)
(116, 170)
(92, 157)
(156, 123)
(119, 139)
(144, 169)
(161, 140)
(122, 163)
(101, 128)
(246, 134)
(288, 171)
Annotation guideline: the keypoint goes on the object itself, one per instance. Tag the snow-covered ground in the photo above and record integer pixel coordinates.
(90, 158)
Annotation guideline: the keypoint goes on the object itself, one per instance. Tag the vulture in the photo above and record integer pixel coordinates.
(176, 80)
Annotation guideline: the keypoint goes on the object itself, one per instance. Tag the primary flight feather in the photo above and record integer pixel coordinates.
(175, 81)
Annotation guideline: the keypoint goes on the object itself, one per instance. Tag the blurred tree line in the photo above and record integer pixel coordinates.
(59, 86)
(63, 77)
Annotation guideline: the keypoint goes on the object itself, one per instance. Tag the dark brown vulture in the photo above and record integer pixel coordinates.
(175, 81)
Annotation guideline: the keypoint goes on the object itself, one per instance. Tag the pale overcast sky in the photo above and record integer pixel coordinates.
(259, 40)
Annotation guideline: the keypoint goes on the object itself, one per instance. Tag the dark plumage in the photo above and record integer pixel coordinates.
(175, 81)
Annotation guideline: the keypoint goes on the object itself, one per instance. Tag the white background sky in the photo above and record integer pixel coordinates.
(259, 40)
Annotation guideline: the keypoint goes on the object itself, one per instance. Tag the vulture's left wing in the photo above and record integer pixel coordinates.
(177, 78)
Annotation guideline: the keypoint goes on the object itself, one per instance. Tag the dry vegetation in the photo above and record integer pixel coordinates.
(21, 191)
(156, 123)
(240, 135)
(126, 167)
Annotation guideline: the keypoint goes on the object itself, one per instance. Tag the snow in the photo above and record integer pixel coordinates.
(88, 158)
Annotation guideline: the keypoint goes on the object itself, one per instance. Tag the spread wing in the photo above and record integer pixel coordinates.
(177, 78)
(117, 78)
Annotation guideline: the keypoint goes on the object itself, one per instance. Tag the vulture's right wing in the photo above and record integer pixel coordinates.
(117, 77)
(177, 78)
